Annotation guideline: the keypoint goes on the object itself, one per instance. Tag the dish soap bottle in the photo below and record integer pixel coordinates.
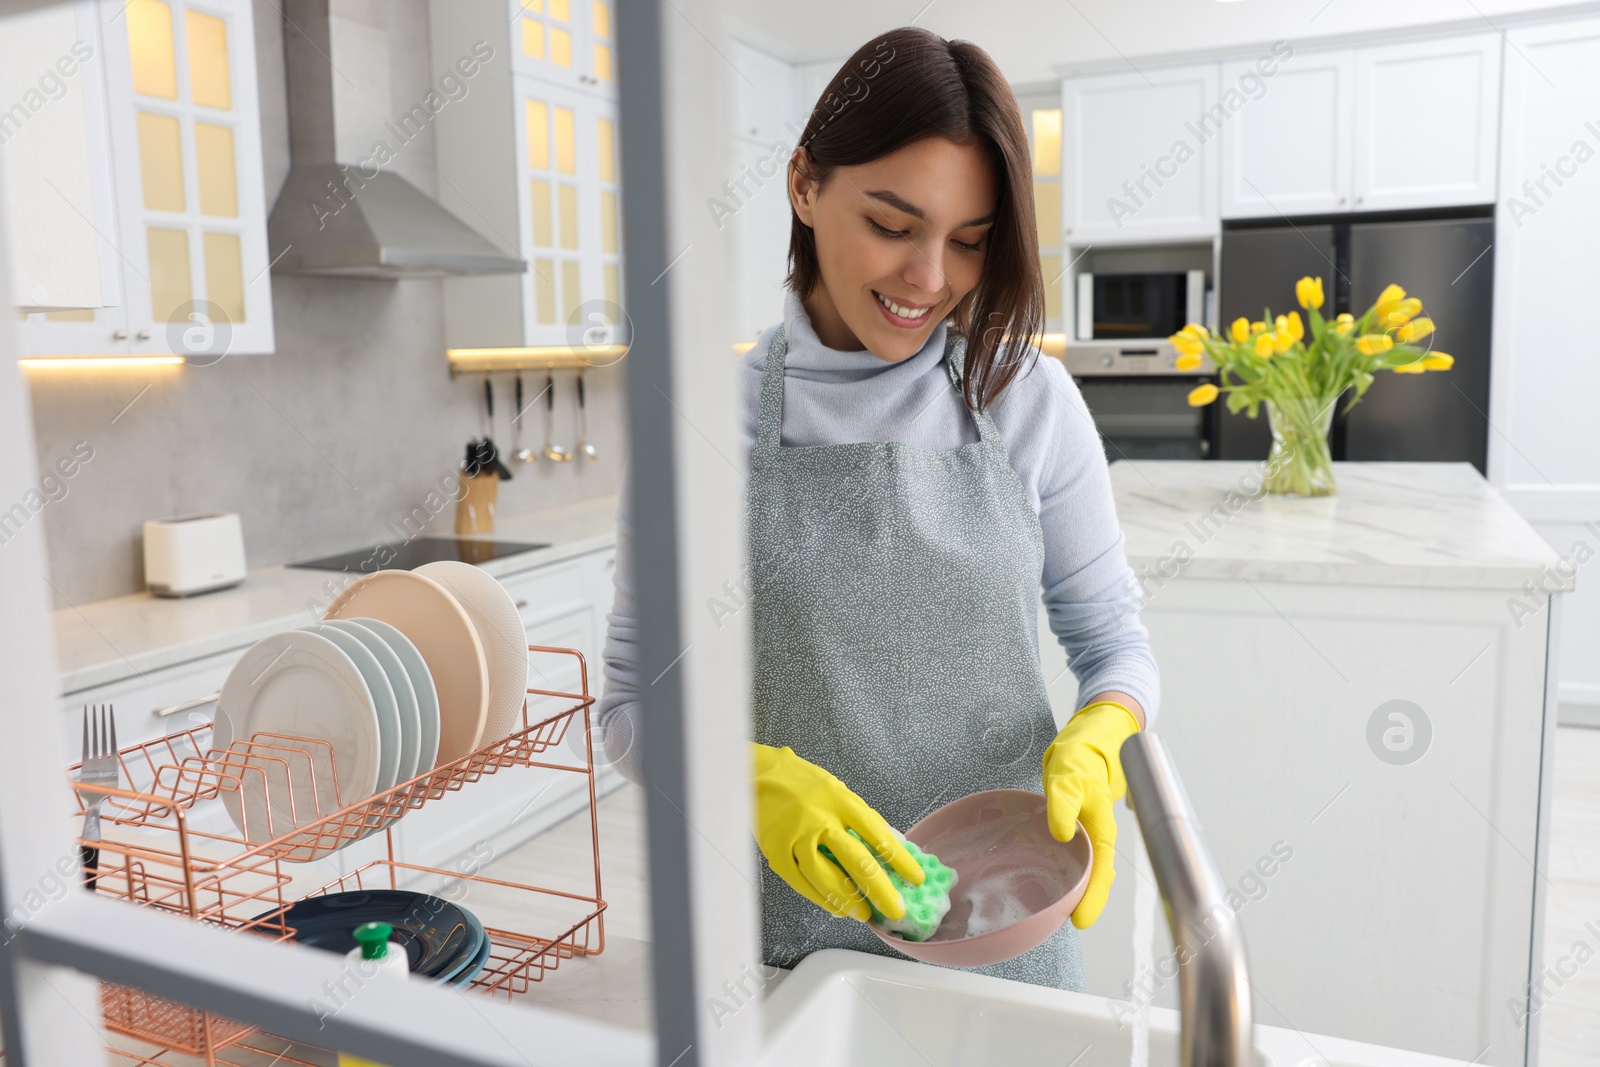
(374, 951)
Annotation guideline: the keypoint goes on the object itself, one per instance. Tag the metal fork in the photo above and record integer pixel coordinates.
(99, 769)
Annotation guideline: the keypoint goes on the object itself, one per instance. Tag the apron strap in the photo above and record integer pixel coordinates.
(953, 354)
(769, 426)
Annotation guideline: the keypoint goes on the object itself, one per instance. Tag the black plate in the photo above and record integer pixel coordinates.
(470, 971)
(436, 934)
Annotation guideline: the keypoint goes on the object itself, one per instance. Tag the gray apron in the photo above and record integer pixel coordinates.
(895, 594)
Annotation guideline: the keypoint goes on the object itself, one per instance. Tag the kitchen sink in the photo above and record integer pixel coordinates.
(840, 1008)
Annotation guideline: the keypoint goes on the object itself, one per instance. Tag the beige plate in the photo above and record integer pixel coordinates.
(505, 642)
(436, 623)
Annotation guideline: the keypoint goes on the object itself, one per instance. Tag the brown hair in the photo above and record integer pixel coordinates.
(906, 85)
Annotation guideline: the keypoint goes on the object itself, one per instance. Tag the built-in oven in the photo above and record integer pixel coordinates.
(1140, 400)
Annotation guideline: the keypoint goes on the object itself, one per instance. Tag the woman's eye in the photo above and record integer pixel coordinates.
(975, 246)
(884, 231)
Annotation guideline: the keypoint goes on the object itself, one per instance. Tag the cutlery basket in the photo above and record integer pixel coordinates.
(162, 847)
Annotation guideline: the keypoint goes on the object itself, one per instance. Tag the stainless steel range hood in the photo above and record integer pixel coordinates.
(339, 212)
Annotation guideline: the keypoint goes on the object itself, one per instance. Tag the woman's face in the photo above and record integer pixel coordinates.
(910, 228)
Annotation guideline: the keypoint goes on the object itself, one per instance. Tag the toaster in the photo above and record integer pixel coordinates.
(192, 554)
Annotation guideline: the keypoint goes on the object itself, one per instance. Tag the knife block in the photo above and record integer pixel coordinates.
(475, 507)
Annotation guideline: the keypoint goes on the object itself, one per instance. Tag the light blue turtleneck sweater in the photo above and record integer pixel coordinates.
(834, 397)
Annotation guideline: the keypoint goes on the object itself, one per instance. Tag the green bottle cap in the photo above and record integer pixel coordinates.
(374, 940)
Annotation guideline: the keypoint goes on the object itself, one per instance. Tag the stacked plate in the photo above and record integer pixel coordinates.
(443, 941)
(409, 671)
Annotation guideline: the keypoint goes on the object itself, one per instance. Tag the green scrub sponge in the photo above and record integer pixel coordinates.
(926, 904)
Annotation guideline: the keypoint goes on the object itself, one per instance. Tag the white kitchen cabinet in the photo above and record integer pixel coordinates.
(1288, 150)
(1546, 229)
(183, 122)
(1375, 128)
(763, 91)
(1351, 691)
(1547, 222)
(533, 157)
(569, 42)
(1140, 155)
(1427, 123)
(55, 156)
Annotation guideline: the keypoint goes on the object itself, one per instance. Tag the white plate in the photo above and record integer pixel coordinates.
(405, 696)
(421, 684)
(505, 643)
(383, 700)
(301, 685)
(437, 624)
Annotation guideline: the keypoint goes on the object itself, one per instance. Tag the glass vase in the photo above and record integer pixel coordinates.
(1300, 463)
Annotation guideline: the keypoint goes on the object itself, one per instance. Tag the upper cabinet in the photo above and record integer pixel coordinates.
(1427, 123)
(570, 42)
(185, 232)
(56, 159)
(1286, 150)
(1139, 160)
(530, 156)
(1406, 125)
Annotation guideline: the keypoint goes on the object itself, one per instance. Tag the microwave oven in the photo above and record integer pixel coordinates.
(1143, 306)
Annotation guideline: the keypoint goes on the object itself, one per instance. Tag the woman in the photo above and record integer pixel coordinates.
(917, 475)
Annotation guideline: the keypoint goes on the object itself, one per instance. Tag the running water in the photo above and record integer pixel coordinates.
(1144, 951)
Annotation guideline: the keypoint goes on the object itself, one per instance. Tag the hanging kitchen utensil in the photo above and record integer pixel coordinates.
(586, 448)
(519, 450)
(552, 451)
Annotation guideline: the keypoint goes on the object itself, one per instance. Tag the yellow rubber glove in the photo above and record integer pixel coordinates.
(799, 807)
(1082, 779)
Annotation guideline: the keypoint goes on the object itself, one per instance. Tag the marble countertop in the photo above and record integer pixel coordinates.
(109, 640)
(1409, 524)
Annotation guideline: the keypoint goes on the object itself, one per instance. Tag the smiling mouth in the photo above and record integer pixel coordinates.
(902, 314)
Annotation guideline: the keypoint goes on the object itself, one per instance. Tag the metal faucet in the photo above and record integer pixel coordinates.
(1213, 976)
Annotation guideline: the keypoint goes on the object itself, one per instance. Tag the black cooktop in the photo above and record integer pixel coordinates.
(414, 553)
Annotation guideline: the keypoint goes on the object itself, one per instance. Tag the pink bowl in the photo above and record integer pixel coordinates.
(1015, 885)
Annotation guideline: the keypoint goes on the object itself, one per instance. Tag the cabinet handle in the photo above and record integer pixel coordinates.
(521, 604)
(119, 335)
(1342, 200)
(187, 705)
(1359, 199)
(143, 335)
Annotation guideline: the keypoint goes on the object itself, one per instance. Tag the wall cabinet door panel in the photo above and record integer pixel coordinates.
(1287, 151)
(1140, 154)
(1427, 123)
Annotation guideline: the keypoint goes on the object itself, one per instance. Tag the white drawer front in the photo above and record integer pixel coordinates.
(140, 700)
(574, 630)
(547, 592)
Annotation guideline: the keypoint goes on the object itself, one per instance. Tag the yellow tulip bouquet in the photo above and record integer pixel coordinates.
(1300, 378)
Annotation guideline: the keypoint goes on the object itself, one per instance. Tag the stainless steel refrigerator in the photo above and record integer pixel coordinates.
(1447, 263)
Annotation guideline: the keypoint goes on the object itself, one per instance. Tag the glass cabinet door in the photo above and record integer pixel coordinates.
(569, 42)
(570, 195)
(188, 154)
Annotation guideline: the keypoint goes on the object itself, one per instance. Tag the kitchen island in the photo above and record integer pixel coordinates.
(1357, 690)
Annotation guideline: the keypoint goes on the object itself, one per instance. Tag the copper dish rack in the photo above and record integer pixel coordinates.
(155, 855)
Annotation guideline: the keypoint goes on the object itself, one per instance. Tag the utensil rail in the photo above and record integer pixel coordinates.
(155, 853)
